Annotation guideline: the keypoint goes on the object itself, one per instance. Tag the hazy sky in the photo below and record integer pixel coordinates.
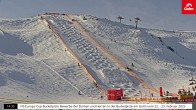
(159, 14)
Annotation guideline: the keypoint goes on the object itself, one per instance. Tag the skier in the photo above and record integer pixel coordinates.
(101, 97)
(79, 93)
(132, 65)
(78, 64)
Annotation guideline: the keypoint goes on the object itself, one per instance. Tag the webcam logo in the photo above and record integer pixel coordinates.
(188, 6)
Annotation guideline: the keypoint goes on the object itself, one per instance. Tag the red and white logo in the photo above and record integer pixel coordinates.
(188, 6)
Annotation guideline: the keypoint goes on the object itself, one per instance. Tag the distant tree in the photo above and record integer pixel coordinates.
(120, 18)
(136, 22)
(130, 20)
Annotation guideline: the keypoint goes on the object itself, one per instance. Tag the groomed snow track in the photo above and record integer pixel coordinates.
(92, 46)
(108, 53)
(48, 24)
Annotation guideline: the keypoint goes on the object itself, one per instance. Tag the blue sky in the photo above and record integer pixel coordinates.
(158, 14)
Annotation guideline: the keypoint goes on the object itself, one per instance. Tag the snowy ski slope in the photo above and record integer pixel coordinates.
(43, 72)
(104, 71)
(34, 63)
(160, 57)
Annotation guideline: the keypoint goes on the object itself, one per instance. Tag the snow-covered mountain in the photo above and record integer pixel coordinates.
(35, 66)
(160, 57)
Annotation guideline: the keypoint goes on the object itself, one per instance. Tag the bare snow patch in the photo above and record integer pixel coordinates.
(15, 75)
(12, 45)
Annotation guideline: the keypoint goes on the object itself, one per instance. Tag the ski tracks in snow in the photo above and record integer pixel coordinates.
(48, 66)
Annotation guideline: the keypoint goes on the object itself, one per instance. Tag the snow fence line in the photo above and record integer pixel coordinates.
(108, 53)
(46, 23)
